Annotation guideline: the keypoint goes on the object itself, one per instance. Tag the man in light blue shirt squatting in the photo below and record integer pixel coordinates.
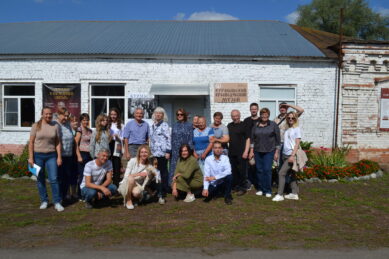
(217, 175)
(135, 133)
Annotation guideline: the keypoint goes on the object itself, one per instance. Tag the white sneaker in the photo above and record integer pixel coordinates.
(268, 195)
(190, 198)
(259, 193)
(278, 198)
(292, 196)
(161, 201)
(130, 207)
(59, 207)
(43, 205)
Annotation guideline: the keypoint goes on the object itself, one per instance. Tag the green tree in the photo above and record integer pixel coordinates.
(360, 21)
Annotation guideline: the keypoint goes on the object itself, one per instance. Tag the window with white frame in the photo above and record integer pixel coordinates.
(104, 97)
(19, 105)
(272, 96)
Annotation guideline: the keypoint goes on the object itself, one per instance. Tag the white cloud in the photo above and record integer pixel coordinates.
(292, 17)
(209, 15)
(179, 16)
(382, 11)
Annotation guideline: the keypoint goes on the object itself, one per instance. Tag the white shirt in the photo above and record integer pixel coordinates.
(219, 168)
(115, 130)
(291, 135)
(96, 172)
(133, 168)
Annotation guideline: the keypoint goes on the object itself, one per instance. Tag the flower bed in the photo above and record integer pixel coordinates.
(15, 166)
(361, 168)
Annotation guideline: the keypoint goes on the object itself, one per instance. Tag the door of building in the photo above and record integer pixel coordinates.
(193, 105)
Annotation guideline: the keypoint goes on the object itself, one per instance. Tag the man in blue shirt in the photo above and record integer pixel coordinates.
(217, 175)
(135, 133)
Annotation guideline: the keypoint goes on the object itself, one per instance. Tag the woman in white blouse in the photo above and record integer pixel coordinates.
(292, 140)
(137, 170)
(160, 145)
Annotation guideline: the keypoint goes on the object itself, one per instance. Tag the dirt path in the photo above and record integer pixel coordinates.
(121, 252)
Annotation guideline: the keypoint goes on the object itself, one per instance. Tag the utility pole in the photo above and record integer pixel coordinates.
(340, 61)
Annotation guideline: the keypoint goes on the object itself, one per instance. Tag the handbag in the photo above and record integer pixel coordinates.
(300, 157)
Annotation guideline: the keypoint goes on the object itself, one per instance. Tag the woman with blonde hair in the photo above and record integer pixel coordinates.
(292, 140)
(44, 149)
(138, 168)
(100, 137)
(160, 145)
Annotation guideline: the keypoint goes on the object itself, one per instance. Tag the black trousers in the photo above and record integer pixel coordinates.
(239, 175)
(162, 167)
(116, 165)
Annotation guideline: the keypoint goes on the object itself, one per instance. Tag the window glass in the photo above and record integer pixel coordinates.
(277, 93)
(107, 90)
(27, 109)
(19, 90)
(99, 106)
(11, 111)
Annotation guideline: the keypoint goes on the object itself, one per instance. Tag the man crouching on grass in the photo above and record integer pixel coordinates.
(97, 182)
(217, 175)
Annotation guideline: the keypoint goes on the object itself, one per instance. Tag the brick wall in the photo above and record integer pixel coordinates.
(360, 105)
(315, 83)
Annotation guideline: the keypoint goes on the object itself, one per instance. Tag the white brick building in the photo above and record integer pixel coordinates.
(178, 64)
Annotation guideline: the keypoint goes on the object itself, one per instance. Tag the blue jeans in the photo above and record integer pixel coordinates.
(88, 194)
(223, 185)
(263, 163)
(65, 172)
(48, 163)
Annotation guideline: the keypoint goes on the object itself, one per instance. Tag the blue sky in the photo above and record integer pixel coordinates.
(59, 10)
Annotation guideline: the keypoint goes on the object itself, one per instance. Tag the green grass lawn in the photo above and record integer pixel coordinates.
(336, 215)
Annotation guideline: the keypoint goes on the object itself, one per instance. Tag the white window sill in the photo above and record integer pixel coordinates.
(27, 129)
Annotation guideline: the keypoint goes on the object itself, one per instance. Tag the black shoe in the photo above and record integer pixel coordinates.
(228, 201)
(88, 205)
(241, 192)
(208, 199)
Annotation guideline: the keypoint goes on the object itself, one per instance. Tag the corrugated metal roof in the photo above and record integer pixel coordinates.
(177, 38)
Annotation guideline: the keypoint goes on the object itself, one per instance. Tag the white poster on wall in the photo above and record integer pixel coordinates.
(141, 100)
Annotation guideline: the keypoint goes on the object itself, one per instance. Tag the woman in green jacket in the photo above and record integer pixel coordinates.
(187, 176)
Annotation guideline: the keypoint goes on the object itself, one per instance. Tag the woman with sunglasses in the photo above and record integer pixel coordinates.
(292, 140)
(182, 133)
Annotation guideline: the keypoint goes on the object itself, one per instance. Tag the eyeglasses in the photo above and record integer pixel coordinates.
(291, 119)
(180, 114)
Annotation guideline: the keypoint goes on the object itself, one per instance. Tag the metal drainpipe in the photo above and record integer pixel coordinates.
(340, 60)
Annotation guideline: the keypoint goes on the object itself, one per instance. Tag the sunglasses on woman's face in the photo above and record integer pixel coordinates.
(291, 118)
(180, 114)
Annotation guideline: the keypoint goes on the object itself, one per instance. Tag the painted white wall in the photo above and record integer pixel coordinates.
(314, 80)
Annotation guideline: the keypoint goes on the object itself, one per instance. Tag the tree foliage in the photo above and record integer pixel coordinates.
(360, 21)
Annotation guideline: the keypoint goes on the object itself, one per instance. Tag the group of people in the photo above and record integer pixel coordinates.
(144, 162)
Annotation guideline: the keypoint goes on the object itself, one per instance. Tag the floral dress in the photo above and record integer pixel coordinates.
(182, 133)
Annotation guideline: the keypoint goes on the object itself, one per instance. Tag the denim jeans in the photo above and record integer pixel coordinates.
(263, 163)
(88, 194)
(222, 185)
(48, 163)
(65, 172)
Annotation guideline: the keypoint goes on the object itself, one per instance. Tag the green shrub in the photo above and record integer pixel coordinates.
(15, 166)
(327, 157)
